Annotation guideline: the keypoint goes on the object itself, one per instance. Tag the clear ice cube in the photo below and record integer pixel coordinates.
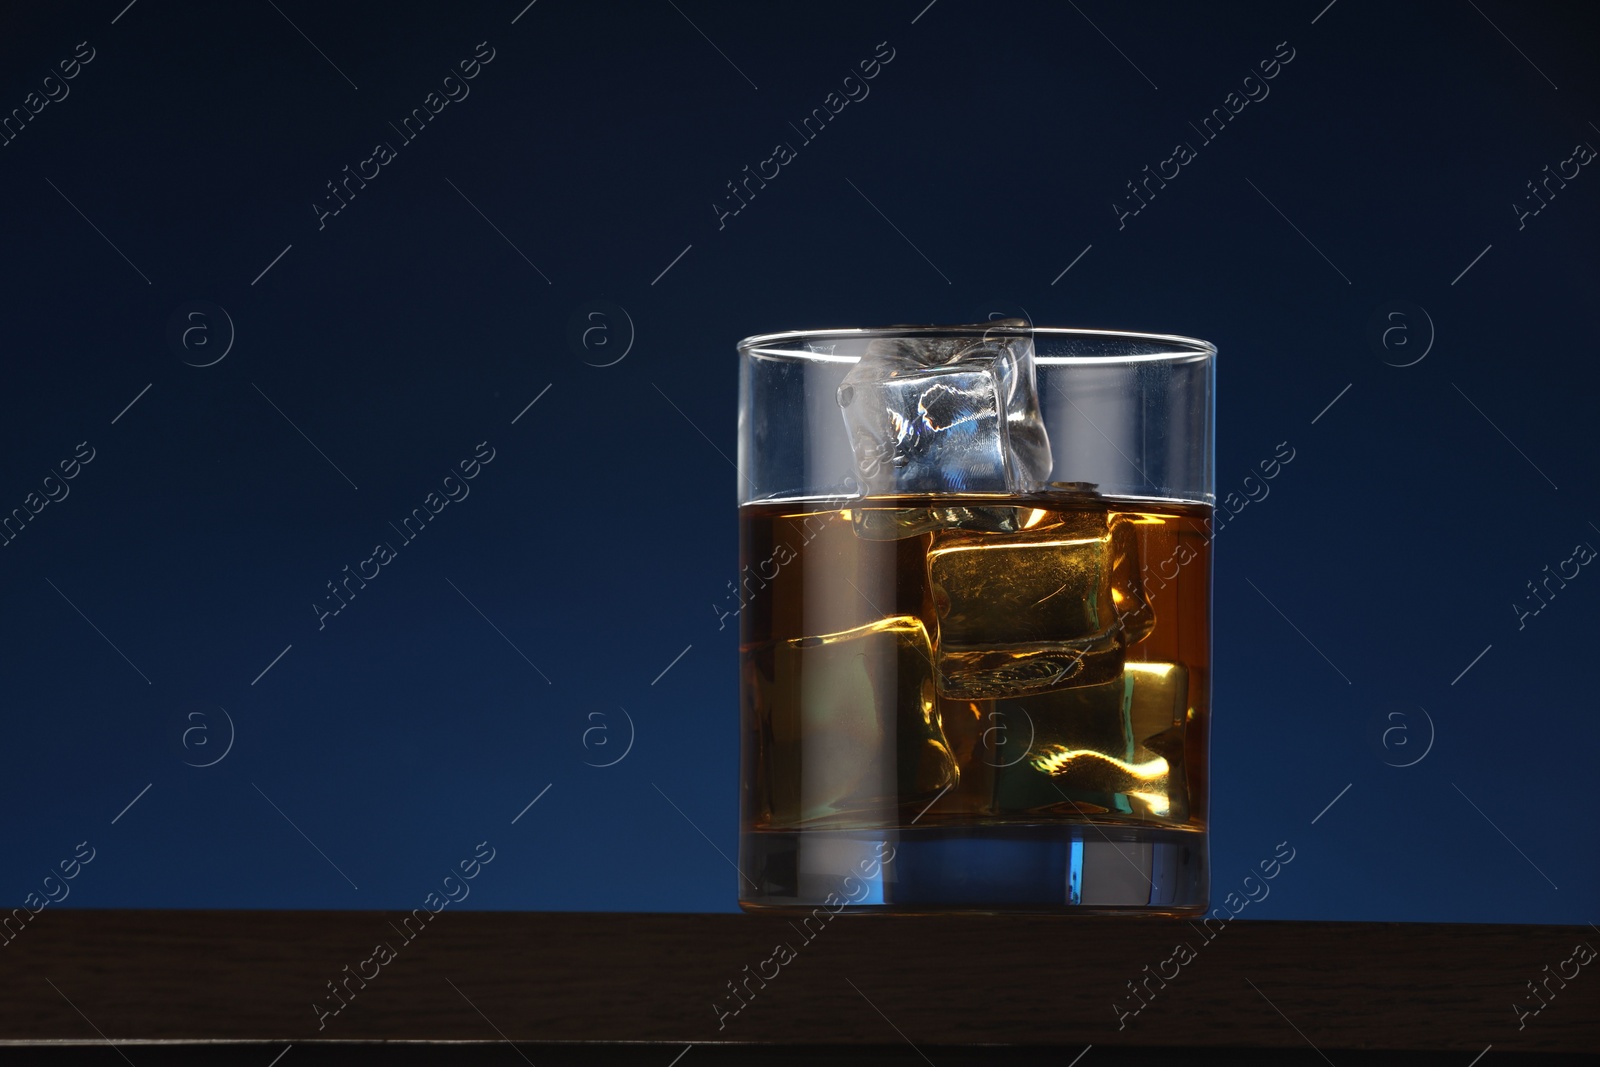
(850, 721)
(948, 414)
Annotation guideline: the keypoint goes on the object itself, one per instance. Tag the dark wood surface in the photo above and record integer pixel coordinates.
(132, 976)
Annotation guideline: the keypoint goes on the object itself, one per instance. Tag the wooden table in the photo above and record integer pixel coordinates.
(907, 985)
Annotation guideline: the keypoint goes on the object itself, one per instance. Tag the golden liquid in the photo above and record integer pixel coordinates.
(979, 660)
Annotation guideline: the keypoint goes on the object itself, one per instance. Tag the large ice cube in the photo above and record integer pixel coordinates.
(1049, 606)
(1090, 720)
(1089, 746)
(850, 722)
(1069, 739)
(1025, 612)
(956, 413)
(1129, 759)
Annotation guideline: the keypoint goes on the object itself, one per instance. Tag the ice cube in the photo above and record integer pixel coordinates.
(1090, 719)
(894, 524)
(1135, 616)
(1117, 746)
(1026, 612)
(1083, 752)
(850, 722)
(1160, 698)
(1067, 743)
(1114, 747)
(956, 413)
(1159, 717)
(1049, 606)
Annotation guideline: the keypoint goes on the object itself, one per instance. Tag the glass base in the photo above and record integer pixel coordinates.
(1051, 867)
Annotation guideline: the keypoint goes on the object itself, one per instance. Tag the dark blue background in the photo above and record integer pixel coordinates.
(411, 327)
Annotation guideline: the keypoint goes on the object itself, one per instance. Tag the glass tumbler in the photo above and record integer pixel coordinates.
(974, 612)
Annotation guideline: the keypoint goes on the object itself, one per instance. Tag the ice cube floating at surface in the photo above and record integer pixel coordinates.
(948, 414)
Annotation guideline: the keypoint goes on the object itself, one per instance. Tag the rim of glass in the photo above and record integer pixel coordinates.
(1177, 346)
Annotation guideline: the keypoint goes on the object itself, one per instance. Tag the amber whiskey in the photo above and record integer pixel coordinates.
(953, 674)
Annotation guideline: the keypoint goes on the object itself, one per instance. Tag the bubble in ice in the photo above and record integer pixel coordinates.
(949, 413)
